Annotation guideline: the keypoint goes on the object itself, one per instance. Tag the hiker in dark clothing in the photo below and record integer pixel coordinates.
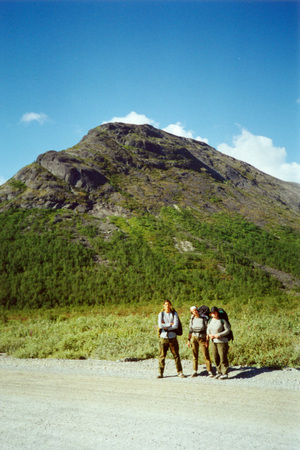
(168, 323)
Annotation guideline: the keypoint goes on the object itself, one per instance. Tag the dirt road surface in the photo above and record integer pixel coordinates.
(78, 405)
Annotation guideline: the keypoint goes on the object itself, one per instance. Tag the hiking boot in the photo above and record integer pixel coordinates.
(181, 375)
(218, 375)
(210, 375)
(223, 377)
(160, 375)
(194, 375)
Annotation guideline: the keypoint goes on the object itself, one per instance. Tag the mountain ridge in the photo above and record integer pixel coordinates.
(122, 169)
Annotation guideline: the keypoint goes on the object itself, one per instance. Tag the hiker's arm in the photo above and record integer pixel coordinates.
(226, 330)
(190, 333)
(162, 324)
(207, 337)
(174, 325)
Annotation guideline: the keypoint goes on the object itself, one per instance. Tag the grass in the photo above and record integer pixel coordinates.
(269, 339)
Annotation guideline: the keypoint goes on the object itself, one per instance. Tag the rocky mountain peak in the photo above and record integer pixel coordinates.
(123, 169)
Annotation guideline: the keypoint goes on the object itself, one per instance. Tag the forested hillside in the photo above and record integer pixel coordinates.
(51, 258)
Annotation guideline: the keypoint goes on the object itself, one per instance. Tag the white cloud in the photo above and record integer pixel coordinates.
(199, 138)
(2, 180)
(135, 119)
(260, 152)
(178, 130)
(41, 118)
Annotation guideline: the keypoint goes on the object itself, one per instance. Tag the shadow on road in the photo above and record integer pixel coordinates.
(250, 372)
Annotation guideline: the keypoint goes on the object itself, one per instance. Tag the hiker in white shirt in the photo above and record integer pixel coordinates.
(168, 324)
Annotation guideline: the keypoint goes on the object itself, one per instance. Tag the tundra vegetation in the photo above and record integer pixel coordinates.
(73, 286)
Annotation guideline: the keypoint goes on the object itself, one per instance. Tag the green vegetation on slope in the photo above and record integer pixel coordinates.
(50, 259)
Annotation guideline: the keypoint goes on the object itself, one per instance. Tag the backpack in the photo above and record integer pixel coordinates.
(223, 316)
(178, 331)
(204, 311)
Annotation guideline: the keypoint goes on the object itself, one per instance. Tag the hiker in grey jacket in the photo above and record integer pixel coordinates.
(217, 331)
(197, 338)
(168, 324)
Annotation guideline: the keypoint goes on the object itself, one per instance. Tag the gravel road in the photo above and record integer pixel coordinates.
(90, 404)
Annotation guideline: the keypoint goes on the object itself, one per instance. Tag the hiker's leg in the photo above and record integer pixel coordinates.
(163, 348)
(175, 351)
(223, 351)
(205, 353)
(195, 350)
(216, 356)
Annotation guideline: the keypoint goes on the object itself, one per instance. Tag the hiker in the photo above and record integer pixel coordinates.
(217, 331)
(168, 323)
(197, 338)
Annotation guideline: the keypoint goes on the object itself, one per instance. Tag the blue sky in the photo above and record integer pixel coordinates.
(226, 72)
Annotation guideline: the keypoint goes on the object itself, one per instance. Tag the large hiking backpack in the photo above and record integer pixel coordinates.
(179, 328)
(204, 311)
(178, 331)
(224, 316)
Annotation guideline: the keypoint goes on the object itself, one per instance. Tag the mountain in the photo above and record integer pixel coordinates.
(132, 214)
(121, 169)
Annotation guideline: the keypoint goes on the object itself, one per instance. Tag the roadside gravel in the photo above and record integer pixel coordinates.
(91, 404)
(238, 376)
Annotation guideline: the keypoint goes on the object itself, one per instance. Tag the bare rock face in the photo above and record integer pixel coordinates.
(71, 170)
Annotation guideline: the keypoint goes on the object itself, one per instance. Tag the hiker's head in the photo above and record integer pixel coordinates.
(194, 311)
(167, 305)
(214, 312)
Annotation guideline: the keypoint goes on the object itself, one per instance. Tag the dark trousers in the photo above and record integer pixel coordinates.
(196, 343)
(164, 345)
(220, 352)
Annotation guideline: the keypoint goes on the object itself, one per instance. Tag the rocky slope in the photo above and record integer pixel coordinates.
(118, 169)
